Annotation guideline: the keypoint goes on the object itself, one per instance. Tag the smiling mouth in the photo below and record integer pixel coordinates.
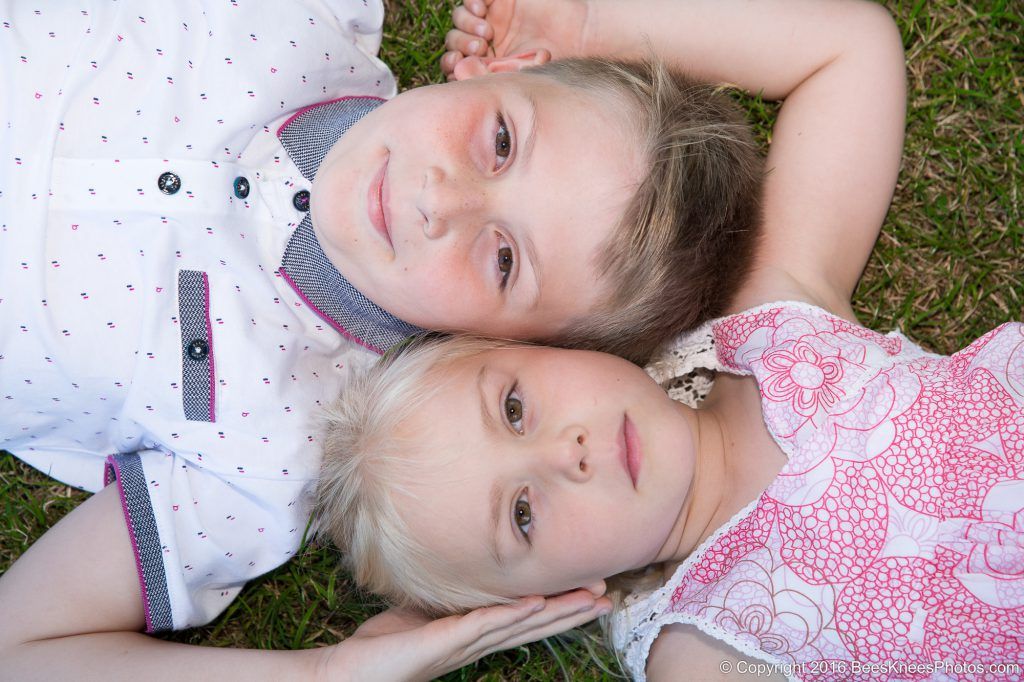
(377, 202)
(629, 442)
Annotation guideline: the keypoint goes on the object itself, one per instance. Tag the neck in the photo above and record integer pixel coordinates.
(708, 498)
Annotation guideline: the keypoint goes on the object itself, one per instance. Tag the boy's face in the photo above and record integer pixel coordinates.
(480, 205)
(547, 469)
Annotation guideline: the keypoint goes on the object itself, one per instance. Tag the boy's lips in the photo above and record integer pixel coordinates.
(629, 447)
(377, 196)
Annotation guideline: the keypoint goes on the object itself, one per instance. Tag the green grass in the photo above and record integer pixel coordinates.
(946, 269)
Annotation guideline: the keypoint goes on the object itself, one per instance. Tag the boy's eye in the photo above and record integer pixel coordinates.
(523, 515)
(502, 143)
(514, 411)
(505, 262)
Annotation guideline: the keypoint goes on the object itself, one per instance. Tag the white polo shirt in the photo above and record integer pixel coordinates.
(145, 206)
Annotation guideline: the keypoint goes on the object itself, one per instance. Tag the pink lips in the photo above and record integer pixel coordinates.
(377, 202)
(630, 447)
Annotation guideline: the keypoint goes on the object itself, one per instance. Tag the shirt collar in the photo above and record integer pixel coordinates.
(307, 137)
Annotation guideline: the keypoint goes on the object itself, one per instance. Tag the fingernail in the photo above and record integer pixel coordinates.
(481, 30)
(538, 607)
(604, 611)
(474, 45)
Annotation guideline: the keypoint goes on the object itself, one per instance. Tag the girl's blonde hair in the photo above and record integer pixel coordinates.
(367, 463)
(687, 238)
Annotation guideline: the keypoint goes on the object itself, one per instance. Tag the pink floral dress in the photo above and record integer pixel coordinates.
(891, 545)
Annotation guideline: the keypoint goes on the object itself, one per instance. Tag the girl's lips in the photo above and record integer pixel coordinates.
(629, 441)
(377, 202)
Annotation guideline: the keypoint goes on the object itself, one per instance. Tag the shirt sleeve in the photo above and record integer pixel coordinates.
(199, 536)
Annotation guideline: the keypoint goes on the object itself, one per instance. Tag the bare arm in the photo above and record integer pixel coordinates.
(70, 608)
(685, 648)
(80, 578)
(836, 146)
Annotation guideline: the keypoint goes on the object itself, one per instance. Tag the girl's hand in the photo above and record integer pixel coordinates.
(505, 28)
(402, 645)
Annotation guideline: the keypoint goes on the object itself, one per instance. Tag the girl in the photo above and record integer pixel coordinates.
(177, 219)
(846, 506)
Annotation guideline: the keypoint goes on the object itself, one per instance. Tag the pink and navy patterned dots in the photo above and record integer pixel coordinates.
(99, 105)
(894, 535)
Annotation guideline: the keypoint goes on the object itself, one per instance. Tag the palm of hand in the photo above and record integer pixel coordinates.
(524, 25)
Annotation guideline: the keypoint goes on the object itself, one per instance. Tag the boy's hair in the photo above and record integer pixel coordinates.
(687, 237)
(367, 462)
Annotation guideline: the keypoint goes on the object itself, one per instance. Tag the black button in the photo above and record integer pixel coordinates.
(168, 182)
(241, 187)
(301, 200)
(198, 349)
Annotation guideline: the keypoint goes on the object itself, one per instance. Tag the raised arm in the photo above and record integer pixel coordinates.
(836, 145)
(70, 608)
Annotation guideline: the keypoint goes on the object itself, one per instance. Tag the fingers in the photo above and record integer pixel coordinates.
(553, 627)
(477, 7)
(502, 627)
(471, 24)
(448, 62)
(465, 43)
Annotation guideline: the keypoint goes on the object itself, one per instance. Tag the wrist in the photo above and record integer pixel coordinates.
(323, 662)
(577, 21)
(605, 30)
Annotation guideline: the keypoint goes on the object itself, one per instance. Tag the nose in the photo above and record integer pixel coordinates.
(445, 202)
(569, 455)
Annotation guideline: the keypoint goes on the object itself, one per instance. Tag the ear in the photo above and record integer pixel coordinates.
(471, 67)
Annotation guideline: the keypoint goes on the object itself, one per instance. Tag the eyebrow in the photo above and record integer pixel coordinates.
(495, 522)
(531, 249)
(491, 424)
(488, 418)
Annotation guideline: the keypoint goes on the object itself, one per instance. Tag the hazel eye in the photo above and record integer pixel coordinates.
(502, 143)
(514, 411)
(523, 515)
(505, 262)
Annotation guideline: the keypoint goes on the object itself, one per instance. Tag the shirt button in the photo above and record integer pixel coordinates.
(241, 187)
(168, 182)
(198, 349)
(301, 200)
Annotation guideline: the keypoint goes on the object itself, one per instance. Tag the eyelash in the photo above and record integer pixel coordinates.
(505, 261)
(513, 397)
(523, 499)
(502, 157)
(502, 154)
(513, 412)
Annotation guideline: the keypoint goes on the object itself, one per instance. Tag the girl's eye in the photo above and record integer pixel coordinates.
(502, 143)
(514, 411)
(523, 515)
(505, 262)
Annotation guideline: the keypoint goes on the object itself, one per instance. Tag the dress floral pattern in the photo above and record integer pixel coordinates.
(891, 545)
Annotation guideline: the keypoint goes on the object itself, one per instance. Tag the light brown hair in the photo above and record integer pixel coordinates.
(686, 240)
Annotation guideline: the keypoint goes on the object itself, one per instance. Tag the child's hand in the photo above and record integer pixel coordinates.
(402, 645)
(486, 29)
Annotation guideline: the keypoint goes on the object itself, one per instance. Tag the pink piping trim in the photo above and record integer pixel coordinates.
(111, 462)
(326, 318)
(209, 335)
(303, 110)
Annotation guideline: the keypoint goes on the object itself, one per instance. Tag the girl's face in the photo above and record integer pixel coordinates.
(547, 469)
(480, 205)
